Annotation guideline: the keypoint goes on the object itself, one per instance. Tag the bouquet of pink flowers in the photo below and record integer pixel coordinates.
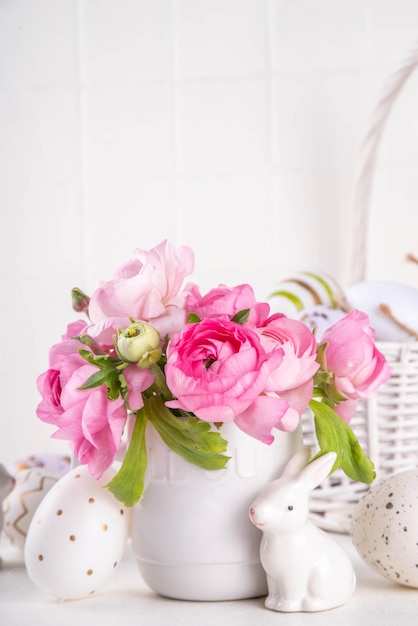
(152, 349)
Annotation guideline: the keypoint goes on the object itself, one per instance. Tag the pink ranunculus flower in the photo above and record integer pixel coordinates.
(104, 331)
(137, 380)
(147, 288)
(358, 368)
(74, 329)
(293, 379)
(217, 369)
(64, 360)
(227, 301)
(91, 424)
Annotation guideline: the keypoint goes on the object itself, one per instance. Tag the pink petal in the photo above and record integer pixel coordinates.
(261, 417)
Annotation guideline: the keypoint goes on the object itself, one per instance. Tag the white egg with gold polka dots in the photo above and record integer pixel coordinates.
(77, 536)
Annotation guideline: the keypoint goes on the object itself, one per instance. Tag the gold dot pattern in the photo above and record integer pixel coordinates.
(59, 512)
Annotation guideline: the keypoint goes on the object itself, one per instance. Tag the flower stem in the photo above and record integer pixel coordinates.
(161, 382)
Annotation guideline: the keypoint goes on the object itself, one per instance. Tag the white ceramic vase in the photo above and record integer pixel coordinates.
(191, 532)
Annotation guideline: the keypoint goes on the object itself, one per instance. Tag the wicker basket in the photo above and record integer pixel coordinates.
(387, 425)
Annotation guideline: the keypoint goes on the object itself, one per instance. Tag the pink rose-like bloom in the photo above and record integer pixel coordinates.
(90, 422)
(217, 370)
(64, 360)
(104, 331)
(137, 380)
(147, 288)
(74, 329)
(227, 301)
(293, 379)
(358, 367)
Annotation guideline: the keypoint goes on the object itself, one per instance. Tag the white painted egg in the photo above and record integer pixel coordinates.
(385, 528)
(31, 485)
(402, 301)
(320, 317)
(304, 290)
(49, 462)
(77, 536)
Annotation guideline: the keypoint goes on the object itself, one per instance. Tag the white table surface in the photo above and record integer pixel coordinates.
(126, 600)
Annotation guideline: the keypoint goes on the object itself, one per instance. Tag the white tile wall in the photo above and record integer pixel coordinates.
(128, 132)
(223, 126)
(323, 35)
(229, 125)
(324, 133)
(39, 135)
(392, 28)
(37, 43)
(125, 42)
(133, 210)
(215, 38)
(235, 213)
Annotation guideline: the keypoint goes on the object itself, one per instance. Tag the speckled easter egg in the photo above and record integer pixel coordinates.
(31, 486)
(385, 528)
(48, 462)
(320, 317)
(77, 536)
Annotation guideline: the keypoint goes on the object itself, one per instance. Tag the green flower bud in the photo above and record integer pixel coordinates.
(140, 344)
(80, 300)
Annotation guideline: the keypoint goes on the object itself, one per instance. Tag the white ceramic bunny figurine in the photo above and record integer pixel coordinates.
(307, 570)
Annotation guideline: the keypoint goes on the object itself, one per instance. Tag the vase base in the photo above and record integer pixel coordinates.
(204, 582)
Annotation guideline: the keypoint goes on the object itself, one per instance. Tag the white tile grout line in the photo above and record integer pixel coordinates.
(270, 80)
(176, 135)
(272, 122)
(80, 82)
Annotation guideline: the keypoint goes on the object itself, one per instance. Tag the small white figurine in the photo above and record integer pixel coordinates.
(306, 569)
(7, 482)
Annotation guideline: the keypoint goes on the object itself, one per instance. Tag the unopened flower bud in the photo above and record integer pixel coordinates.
(80, 300)
(140, 344)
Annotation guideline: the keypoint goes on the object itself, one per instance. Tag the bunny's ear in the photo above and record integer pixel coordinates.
(314, 473)
(297, 463)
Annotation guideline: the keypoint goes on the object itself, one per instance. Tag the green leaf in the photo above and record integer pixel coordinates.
(290, 296)
(334, 435)
(100, 360)
(241, 317)
(101, 377)
(193, 318)
(325, 285)
(88, 341)
(86, 354)
(191, 438)
(128, 484)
